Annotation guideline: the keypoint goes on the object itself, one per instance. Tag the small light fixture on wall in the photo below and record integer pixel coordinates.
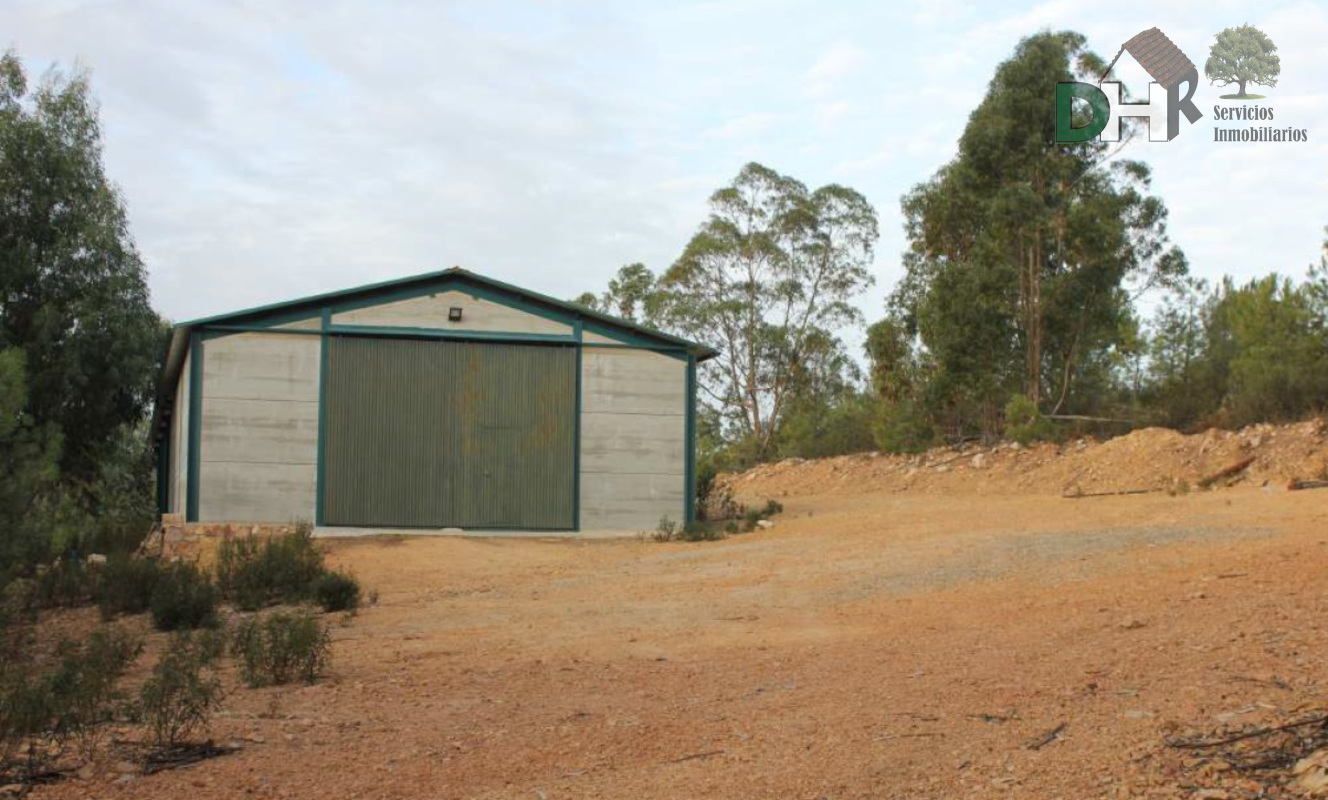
(454, 314)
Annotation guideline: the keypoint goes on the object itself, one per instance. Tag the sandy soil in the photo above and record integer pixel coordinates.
(884, 645)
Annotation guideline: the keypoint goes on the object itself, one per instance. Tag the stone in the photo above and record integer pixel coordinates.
(979, 461)
(765, 524)
(126, 768)
(1311, 775)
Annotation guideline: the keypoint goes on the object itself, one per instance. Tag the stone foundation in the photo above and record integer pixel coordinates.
(176, 540)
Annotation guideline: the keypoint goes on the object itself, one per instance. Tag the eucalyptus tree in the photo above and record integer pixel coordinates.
(769, 278)
(1024, 254)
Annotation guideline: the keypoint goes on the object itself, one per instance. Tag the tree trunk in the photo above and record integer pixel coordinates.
(1035, 323)
(1242, 89)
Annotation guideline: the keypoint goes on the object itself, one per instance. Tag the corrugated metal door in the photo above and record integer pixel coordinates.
(427, 433)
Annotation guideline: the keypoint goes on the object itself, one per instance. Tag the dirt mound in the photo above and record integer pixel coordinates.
(1150, 459)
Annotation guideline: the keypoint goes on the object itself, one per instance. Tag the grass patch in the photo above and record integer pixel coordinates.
(1238, 97)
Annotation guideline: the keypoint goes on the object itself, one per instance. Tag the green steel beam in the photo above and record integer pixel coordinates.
(691, 441)
(324, 360)
(576, 432)
(195, 424)
(163, 474)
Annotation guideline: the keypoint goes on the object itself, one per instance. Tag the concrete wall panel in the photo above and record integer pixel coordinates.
(633, 382)
(633, 439)
(259, 444)
(262, 367)
(431, 312)
(625, 444)
(254, 492)
(630, 503)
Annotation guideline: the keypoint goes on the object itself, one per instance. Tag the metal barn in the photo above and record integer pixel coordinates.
(445, 400)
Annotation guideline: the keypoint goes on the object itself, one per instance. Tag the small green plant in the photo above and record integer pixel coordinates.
(68, 583)
(665, 531)
(282, 648)
(183, 598)
(254, 573)
(178, 699)
(43, 707)
(731, 527)
(772, 507)
(126, 585)
(1024, 423)
(1178, 487)
(700, 532)
(337, 591)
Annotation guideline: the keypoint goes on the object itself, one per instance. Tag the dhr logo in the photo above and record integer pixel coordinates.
(1169, 68)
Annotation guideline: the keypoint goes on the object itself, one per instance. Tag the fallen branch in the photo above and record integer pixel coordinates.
(1298, 485)
(1201, 744)
(1047, 738)
(694, 756)
(1076, 496)
(184, 756)
(1226, 472)
(1081, 418)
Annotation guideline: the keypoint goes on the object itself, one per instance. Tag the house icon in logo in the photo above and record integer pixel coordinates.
(1168, 66)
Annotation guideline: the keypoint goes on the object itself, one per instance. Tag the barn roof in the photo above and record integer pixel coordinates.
(386, 291)
(1159, 57)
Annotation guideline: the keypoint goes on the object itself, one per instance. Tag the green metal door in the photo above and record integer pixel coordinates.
(430, 434)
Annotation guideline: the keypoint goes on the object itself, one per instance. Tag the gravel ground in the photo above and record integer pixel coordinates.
(869, 646)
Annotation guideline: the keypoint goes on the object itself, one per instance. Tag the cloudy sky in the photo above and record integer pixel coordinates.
(270, 148)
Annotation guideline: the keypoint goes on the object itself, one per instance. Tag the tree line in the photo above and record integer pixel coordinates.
(1019, 312)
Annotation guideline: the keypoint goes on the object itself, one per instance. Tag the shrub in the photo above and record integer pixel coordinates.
(254, 573)
(180, 696)
(68, 583)
(281, 648)
(700, 533)
(665, 531)
(1024, 423)
(126, 585)
(183, 598)
(337, 591)
(41, 710)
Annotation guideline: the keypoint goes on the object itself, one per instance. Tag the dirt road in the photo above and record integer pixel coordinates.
(874, 646)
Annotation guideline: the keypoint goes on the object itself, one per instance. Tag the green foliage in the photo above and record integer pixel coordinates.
(633, 295)
(79, 341)
(282, 648)
(126, 585)
(254, 573)
(1024, 423)
(1237, 355)
(178, 699)
(700, 532)
(183, 597)
(1243, 55)
(45, 706)
(337, 591)
(68, 583)
(1023, 257)
(769, 275)
(902, 427)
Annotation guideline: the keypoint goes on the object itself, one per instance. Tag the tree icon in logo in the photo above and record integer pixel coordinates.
(1240, 56)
